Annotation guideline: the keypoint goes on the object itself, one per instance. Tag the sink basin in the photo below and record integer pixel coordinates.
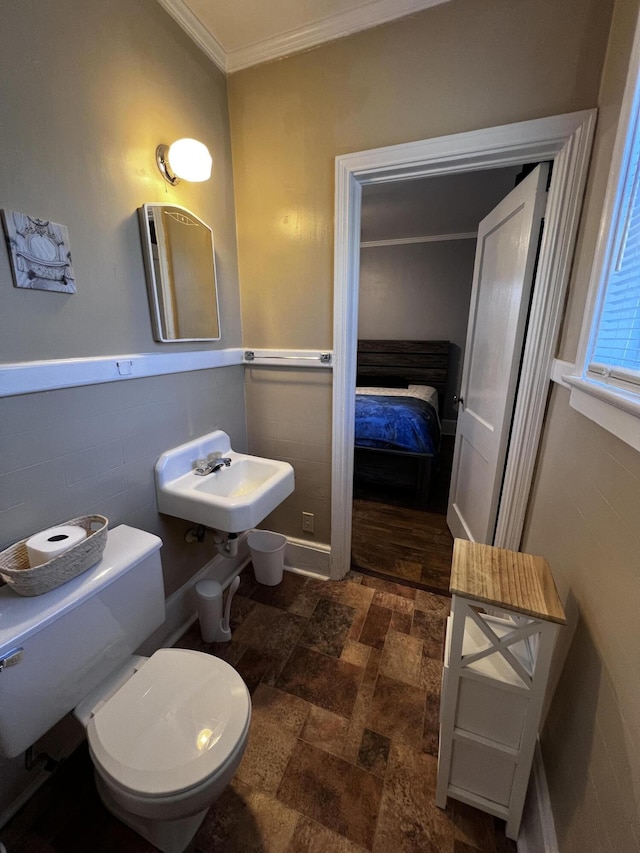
(232, 499)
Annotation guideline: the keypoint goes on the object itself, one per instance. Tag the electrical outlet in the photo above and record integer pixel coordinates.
(308, 522)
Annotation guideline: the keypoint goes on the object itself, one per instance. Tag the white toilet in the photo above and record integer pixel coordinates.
(165, 733)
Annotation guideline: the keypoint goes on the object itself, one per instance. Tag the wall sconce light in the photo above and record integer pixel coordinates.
(185, 158)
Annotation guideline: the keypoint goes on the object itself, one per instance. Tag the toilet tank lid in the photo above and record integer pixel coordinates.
(21, 616)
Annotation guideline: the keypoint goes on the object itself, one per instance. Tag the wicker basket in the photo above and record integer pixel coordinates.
(16, 572)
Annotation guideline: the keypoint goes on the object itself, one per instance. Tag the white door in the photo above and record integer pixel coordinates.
(502, 280)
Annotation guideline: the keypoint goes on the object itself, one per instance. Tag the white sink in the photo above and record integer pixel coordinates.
(231, 499)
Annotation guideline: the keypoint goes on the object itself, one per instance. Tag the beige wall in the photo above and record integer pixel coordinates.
(419, 291)
(456, 67)
(289, 418)
(87, 91)
(444, 204)
(416, 291)
(584, 518)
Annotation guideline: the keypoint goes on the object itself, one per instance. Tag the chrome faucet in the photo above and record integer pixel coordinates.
(211, 464)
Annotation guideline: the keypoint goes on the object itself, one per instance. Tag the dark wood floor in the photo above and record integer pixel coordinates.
(391, 538)
(410, 545)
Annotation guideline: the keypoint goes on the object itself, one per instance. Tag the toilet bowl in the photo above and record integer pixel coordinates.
(167, 743)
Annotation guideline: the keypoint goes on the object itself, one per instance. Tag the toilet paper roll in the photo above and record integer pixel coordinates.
(47, 544)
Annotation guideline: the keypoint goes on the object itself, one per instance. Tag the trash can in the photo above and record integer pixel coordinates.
(267, 556)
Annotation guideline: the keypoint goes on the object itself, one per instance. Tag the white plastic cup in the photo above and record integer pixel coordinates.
(267, 556)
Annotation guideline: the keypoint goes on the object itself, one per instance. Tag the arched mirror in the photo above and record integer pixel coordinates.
(181, 274)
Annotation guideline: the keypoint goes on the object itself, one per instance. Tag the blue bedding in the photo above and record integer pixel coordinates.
(396, 423)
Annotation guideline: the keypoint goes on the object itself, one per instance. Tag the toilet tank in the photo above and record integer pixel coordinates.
(68, 640)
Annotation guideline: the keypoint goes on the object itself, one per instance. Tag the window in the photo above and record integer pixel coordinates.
(607, 385)
(616, 346)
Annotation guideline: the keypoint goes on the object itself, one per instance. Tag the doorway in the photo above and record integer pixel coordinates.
(417, 251)
(565, 140)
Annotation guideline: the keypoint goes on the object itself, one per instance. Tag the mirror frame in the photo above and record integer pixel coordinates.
(153, 284)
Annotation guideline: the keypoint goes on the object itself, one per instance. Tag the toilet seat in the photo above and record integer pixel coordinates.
(177, 722)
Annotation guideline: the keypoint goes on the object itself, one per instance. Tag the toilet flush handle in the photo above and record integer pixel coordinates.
(11, 658)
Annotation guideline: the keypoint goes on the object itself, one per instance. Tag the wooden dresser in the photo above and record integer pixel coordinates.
(505, 615)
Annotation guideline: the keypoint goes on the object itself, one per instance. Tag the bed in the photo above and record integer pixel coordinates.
(400, 388)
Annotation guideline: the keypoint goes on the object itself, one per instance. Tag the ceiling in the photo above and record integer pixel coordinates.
(236, 34)
(434, 206)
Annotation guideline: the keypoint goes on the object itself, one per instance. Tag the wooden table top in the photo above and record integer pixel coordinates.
(509, 579)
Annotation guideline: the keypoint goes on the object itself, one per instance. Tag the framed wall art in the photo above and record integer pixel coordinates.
(39, 253)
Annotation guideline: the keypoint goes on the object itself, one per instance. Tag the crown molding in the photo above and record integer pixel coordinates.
(196, 30)
(407, 241)
(338, 26)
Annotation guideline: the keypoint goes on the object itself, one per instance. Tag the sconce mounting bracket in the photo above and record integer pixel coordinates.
(162, 159)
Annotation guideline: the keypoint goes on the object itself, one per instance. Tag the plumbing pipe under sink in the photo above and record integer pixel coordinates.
(213, 625)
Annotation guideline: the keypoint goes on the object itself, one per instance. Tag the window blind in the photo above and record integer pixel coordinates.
(616, 352)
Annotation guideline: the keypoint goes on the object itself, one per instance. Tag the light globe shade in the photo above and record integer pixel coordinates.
(190, 160)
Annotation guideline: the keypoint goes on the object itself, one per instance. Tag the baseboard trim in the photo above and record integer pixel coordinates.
(538, 826)
(310, 559)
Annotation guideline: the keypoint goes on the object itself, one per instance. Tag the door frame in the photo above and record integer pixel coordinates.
(564, 139)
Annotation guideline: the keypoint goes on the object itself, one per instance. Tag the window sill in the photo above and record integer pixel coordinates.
(614, 409)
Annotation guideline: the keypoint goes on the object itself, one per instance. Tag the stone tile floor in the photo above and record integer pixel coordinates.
(345, 680)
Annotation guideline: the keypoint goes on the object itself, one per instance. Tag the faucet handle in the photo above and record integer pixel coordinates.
(200, 465)
(213, 457)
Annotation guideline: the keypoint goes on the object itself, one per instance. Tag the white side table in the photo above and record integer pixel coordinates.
(505, 616)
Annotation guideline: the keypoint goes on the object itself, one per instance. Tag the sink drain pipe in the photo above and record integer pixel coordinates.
(226, 543)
